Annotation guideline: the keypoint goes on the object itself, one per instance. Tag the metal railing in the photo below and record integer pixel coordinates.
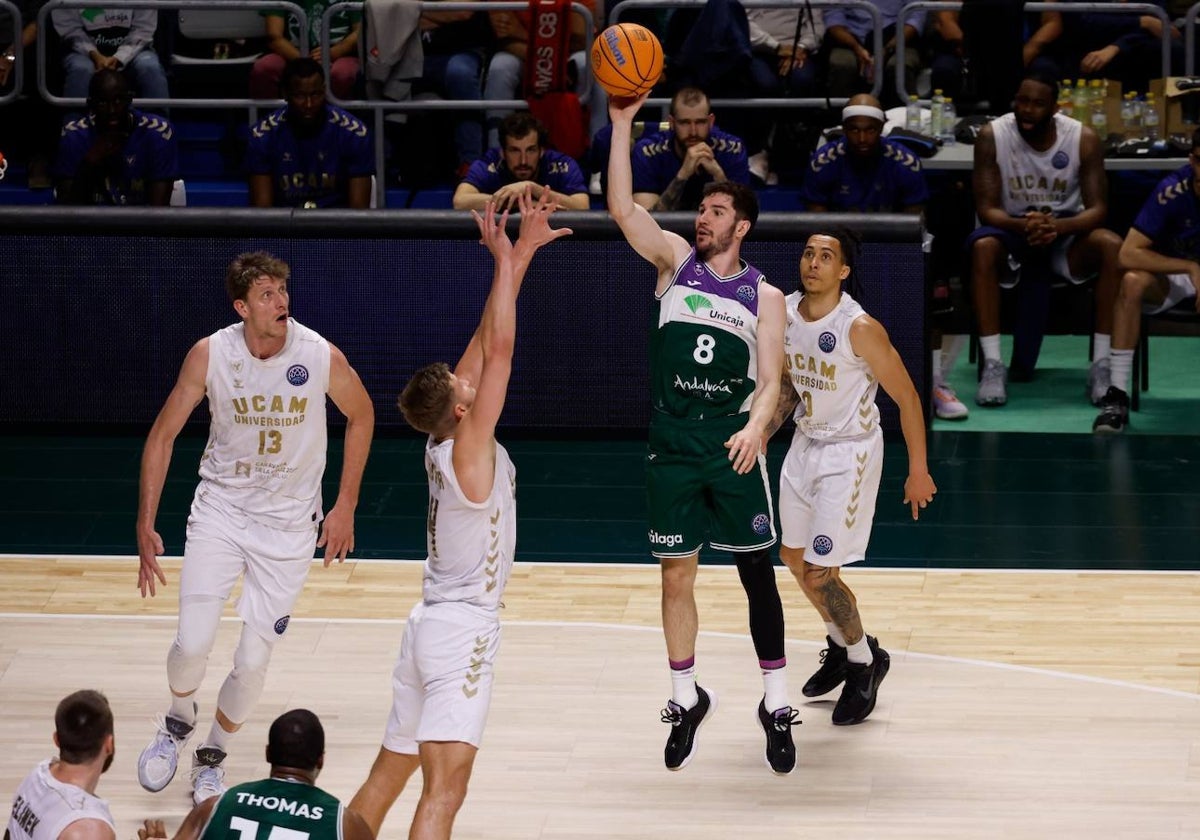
(170, 102)
(379, 107)
(1069, 8)
(17, 76)
(614, 16)
(1189, 39)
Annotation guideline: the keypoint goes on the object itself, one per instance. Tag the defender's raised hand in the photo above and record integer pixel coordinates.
(535, 221)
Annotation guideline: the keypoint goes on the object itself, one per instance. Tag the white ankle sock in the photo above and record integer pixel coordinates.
(775, 695)
(1121, 362)
(218, 737)
(183, 708)
(860, 651)
(1100, 346)
(683, 687)
(990, 346)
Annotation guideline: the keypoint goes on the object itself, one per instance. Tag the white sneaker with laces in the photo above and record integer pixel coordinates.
(208, 776)
(1099, 378)
(946, 403)
(160, 759)
(993, 384)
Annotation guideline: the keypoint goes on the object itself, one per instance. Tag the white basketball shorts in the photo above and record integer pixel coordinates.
(442, 682)
(827, 493)
(1179, 289)
(223, 544)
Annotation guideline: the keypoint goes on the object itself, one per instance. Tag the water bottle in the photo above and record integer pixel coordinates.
(1099, 120)
(1080, 100)
(1150, 118)
(1065, 107)
(912, 113)
(936, 113)
(1127, 126)
(1137, 107)
(949, 121)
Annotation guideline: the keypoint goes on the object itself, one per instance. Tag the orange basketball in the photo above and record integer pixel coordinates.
(626, 60)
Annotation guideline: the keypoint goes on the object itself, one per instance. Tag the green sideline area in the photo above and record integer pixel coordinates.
(1055, 400)
(1006, 500)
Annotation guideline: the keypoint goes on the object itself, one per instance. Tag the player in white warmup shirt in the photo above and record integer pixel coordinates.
(836, 357)
(442, 682)
(257, 509)
(57, 801)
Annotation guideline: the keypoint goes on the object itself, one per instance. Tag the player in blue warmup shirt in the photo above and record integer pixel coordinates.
(1161, 258)
(863, 171)
(671, 168)
(116, 154)
(309, 153)
(522, 160)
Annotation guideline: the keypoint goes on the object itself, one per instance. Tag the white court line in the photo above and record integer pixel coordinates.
(572, 564)
(641, 628)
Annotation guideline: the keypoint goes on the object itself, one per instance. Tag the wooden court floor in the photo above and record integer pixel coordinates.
(1020, 704)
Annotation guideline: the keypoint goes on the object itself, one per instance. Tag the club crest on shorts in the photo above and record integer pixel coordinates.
(827, 341)
(297, 375)
(761, 524)
(822, 545)
(281, 625)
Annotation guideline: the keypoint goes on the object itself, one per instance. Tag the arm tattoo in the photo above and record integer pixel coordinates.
(669, 200)
(786, 405)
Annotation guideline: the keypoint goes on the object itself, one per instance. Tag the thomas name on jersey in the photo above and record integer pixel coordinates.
(280, 805)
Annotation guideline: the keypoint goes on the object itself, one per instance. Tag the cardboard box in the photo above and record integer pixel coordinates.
(1179, 110)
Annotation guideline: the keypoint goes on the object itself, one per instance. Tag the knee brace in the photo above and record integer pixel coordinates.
(244, 684)
(188, 657)
(766, 609)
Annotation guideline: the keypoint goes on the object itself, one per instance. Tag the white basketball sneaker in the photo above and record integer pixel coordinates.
(208, 776)
(158, 762)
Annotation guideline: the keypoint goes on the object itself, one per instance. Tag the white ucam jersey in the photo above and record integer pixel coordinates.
(836, 388)
(1045, 181)
(43, 806)
(267, 441)
(471, 544)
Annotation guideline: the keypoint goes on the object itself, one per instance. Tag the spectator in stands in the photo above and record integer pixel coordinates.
(309, 153)
(670, 168)
(851, 45)
(30, 126)
(1161, 255)
(785, 43)
(865, 172)
(457, 46)
(947, 54)
(983, 52)
(110, 39)
(116, 155)
(507, 66)
(522, 160)
(283, 39)
(1127, 48)
(1041, 196)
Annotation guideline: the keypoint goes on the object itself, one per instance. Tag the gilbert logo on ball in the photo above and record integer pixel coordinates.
(627, 60)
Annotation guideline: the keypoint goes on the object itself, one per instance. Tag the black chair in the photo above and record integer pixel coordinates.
(1182, 319)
